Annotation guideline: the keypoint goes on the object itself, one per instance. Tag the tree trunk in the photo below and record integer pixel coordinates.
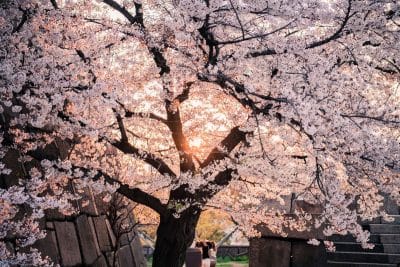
(174, 236)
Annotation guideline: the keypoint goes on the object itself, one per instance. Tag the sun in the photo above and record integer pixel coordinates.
(195, 142)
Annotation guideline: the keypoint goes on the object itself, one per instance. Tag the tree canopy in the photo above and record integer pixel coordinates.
(183, 104)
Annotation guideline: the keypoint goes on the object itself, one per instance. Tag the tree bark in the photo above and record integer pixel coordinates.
(174, 236)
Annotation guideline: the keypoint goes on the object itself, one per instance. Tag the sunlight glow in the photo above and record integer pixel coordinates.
(196, 142)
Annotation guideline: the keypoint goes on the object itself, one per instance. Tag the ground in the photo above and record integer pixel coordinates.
(243, 262)
(232, 264)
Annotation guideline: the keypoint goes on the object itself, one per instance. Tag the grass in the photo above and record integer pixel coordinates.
(232, 264)
(240, 261)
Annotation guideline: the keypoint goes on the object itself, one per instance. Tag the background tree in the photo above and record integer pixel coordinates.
(179, 104)
(120, 216)
(213, 226)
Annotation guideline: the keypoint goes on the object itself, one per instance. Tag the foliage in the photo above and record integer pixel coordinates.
(149, 262)
(183, 104)
(212, 226)
(236, 259)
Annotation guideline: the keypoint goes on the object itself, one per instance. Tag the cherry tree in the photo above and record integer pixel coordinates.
(179, 105)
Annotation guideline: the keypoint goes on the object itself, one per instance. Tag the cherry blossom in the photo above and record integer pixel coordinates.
(182, 105)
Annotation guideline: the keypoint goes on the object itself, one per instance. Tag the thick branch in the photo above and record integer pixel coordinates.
(147, 157)
(141, 197)
(23, 20)
(220, 152)
(204, 193)
(124, 146)
(134, 194)
(174, 124)
(180, 141)
(54, 4)
(224, 177)
(160, 60)
(225, 147)
(185, 93)
(221, 180)
(208, 36)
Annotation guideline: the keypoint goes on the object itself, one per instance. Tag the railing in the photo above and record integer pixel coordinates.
(232, 251)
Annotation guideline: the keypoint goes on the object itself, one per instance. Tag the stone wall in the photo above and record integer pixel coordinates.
(275, 252)
(272, 250)
(87, 238)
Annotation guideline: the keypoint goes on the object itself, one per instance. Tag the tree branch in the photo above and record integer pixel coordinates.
(130, 114)
(363, 116)
(147, 157)
(255, 36)
(23, 20)
(237, 91)
(221, 180)
(124, 146)
(174, 123)
(338, 31)
(185, 93)
(141, 197)
(334, 36)
(225, 146)
(208, 36)
(265, 52)
(54, 4)
(121, 126)
(240, 93)
(132, 19)
(134, 194)
(158, 57)
(238, 18)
